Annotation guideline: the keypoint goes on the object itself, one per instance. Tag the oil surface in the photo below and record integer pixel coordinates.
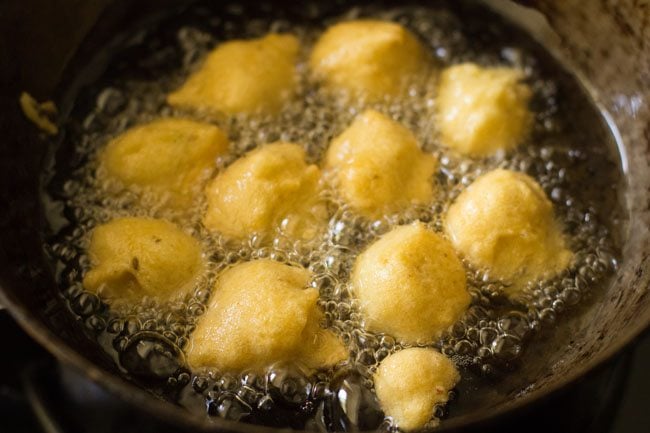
(569, 153)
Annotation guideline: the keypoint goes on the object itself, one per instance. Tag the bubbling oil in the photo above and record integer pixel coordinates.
(147, 339)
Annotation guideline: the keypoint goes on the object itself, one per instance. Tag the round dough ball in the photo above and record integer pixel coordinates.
(481, 111)
(410, 284)
(269, 187)
(504, 223)
(378, 166)
(243, 76)
(136, 257)
(262, 312)
(367, 58)
(169, 157)
(411, 382)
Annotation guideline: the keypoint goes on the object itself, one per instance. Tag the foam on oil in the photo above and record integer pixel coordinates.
(567, 154)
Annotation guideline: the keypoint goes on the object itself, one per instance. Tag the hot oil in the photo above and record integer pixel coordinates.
(569, 153)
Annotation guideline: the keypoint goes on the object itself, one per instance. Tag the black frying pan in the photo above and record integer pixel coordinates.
(46, 47)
